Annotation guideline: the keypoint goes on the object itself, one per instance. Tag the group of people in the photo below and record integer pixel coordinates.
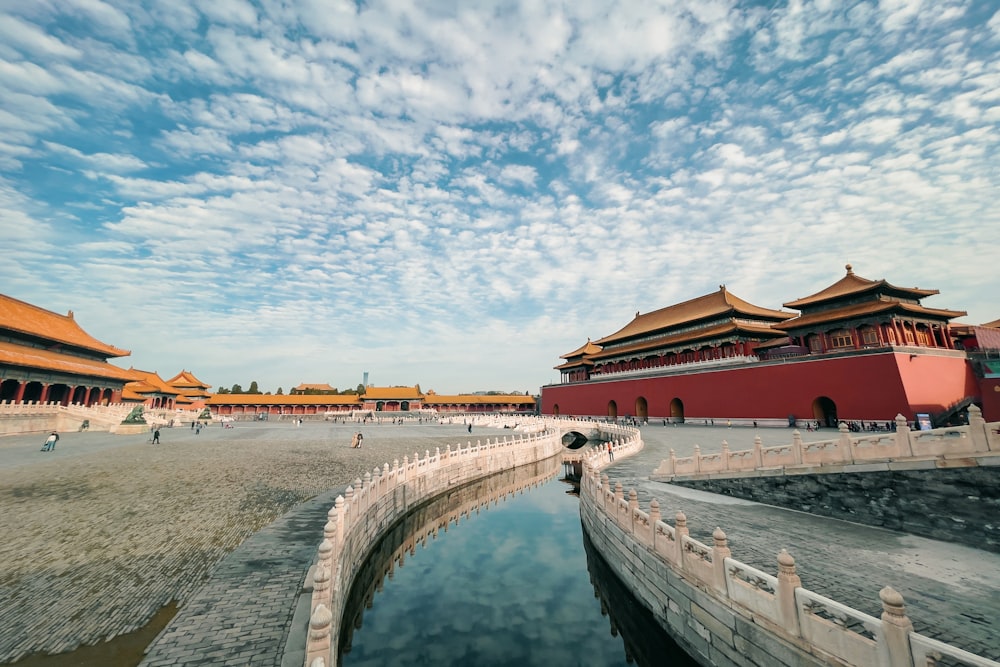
(356, 440)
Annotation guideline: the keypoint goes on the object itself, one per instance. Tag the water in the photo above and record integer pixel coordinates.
(457, 584)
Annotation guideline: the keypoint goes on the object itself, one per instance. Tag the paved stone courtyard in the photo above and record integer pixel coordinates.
(106, 530)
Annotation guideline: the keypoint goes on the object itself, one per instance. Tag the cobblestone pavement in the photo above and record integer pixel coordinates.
(104, 531)
(952, 591)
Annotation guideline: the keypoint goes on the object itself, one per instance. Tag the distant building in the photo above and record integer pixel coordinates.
(151, 390)
(859, 349)
(312, 389)
(46, 357)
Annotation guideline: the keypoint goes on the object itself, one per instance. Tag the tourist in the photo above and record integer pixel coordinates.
(156, 436)
(50, 442)
(611, 452)
(360, 438)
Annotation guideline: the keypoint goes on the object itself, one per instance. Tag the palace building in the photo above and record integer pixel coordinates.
(46, 357)
(859, 349)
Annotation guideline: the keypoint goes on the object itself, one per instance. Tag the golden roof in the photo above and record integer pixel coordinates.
(854, 284)
(574, 364)
(187, 380)
(316, 387)
(707, 333)
(33, 357)
(586, 348)
(149, 382)
(392, 393)
(23, 318)
(703, 307)
(478, 399)
(835, 315)
(283, 399)
(995, 324)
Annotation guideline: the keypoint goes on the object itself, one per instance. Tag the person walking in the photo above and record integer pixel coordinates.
(611, 452)
(156, 436)
(50, 442)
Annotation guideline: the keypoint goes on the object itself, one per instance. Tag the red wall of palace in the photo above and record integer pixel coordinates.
(990, 388)
(871, 387)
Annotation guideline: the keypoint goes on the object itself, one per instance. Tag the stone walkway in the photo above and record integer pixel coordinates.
(110, 528)
(104, 531)
(952, 591)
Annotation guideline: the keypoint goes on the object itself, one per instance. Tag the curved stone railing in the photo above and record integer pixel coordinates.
(977, 438)
(803, 627)
(371, 506)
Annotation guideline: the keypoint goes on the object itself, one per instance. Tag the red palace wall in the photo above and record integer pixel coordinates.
(991, 398)
(870, 387)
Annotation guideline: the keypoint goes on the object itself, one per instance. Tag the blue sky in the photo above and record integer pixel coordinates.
(454, 194)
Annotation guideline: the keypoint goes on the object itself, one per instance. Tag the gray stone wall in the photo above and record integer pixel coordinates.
(708, 630)
(953, 504)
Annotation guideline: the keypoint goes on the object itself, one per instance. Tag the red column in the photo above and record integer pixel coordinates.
(44, 398)
(19, 396)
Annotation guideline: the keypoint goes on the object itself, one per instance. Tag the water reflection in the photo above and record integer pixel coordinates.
(509, 588)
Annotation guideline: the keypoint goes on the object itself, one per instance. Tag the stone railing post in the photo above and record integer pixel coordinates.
(320, 628)
(788, 581)
(720, 552)
(758, 453)
(633, 505)
(654, 516)
(725, 455)
(977, 430)
(697, 458)
(797, 447)
(896, 628)
(903, 444)
(844, 443)
(673, 462)
(680, 530)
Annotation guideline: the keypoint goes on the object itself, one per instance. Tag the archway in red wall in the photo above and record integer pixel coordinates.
(641, 408)
(8, 389)
(612, 409)
(825, 411)
(555, 410)
(677, 411)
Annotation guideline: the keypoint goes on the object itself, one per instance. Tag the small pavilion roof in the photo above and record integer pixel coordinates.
(852, 284)
(710, 305)
(23, 318)
(835, 315)
(315, 387)
(187, 380)
(50, 360)
(583, 350)
(149, 382)
(995, 324)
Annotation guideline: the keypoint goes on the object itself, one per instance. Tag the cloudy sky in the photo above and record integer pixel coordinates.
(456, 193)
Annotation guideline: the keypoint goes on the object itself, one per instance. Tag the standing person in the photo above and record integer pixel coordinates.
(50, 442)
(156, 436)
(354, 441)
(611, 452)
(360, 438)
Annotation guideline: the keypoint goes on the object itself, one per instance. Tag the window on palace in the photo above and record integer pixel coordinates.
(815, 343)
(869, 336)
(909, 336)
(841, 339)
(922, 337)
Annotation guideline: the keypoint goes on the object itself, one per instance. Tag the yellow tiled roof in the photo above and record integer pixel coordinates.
(186, 379)
(854, 284)
(714, 304)
(24, 318)
(149, 382)
(317, 387)
(867, 308)
(284, 399)
(30, 357)
(690, 337)
(586, 348)
(391, 393)
(477, 399)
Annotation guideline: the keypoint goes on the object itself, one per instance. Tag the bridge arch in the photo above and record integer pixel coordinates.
(612, 410)
(641, 408)
(824, 411)
(677, 411)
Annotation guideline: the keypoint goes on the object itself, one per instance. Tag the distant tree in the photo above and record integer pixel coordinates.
(361, 389)
(253, 388)
(236, 389)
(222, 390)
(279, 392)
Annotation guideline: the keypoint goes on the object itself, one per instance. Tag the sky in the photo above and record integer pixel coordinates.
(454, 194)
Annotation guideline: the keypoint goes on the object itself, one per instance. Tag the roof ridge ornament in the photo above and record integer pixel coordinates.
(850, 269)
